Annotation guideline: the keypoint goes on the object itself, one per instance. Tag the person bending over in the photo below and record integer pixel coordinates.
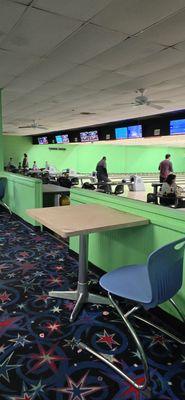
(101, 170)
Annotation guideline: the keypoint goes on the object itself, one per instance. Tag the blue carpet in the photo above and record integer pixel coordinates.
(38, 356)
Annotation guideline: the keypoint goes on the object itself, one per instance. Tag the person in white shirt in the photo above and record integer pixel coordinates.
(47, 166)
(35, 168)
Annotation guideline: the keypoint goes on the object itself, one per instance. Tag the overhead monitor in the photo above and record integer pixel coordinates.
(62, 139)
(93, 136)
(58, 138)
(89, 136)
(43, 140)
(134, 131)
(121, 133)
(177, 127)
(65, 138)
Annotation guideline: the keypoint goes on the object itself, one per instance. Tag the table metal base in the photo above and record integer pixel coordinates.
(81, 296)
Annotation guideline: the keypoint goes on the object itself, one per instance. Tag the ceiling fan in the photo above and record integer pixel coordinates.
(33, 125)
(142, 100)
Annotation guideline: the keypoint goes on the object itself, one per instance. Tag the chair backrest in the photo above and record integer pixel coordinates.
(3, 182)
(64, 181)
(165, 268)
(75, 181)
(105, 188)
(87, 185)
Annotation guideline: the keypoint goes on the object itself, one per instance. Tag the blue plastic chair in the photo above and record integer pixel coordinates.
(148, 285)
(3, 182)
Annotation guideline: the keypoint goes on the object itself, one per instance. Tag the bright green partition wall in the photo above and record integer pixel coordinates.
(112, 249)
(23, 193)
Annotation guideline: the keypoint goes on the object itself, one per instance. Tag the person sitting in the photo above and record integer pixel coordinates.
(10, 166)
(35, 168)
(168, 191)
(64, 180)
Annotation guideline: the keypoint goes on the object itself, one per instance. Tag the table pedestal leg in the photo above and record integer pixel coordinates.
(81, 295)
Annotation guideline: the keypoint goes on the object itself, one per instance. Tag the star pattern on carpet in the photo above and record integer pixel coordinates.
(46, 357)
(56, 309)
(78, 390)
(54, 280)
(39, 348)
(20, 340)
(5, 367)
(107, 339)
(71, 343)
(158, 339)
(53, 327)
(7, 323)
(5, 297)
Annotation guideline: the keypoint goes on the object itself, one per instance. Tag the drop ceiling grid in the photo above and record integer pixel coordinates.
(78, 55)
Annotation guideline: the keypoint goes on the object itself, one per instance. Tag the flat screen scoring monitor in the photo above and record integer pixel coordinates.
(43, 140)
(62, 138)
(121, 133)
(129, 132)
(177, 127)
(90, 136)
(134, 131)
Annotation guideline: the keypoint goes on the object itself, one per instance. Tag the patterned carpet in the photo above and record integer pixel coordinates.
(38, 356)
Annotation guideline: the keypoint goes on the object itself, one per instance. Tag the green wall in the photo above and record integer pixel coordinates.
(83, 158)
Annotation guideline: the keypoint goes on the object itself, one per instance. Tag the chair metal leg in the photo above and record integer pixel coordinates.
(159, 328)
(5, 206)
(173, 303)
(139, 347)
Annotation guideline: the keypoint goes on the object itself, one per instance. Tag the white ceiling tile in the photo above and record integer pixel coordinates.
(167, 32)
(88, 42)
(106, 80)
(9, 15)
(39, 32)
(26, 2)
(57, 64)
(13, 63)
(131, 16)
(79, 75)
(156, 62)
(81, 9)
(39, 73)
(127, 51)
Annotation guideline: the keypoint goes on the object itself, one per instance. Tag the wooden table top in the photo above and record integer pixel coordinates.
(84, 218)
(49, 188)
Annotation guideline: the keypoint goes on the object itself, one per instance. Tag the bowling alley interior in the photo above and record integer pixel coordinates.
(92, 199)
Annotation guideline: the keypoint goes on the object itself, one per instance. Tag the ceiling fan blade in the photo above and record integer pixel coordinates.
(153, 105)
(136, 104)
(161, 101)
(24, 127)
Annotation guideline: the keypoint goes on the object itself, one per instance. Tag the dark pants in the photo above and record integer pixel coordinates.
(168, 200)
(162, 179)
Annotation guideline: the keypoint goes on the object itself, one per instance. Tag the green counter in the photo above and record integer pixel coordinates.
(22, 193)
